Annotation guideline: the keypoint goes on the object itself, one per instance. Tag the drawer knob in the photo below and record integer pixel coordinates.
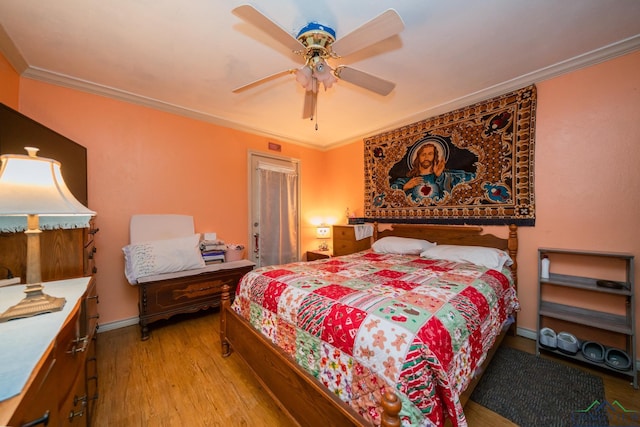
(83, 401)
(84, 341)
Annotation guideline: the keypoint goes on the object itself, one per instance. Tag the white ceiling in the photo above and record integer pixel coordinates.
(186, 57)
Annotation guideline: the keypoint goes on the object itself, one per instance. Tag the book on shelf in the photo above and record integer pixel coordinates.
(207, 253)
(213, 247)
(207, 245)
(213, 257)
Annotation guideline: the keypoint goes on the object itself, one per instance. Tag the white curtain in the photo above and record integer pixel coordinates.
(278, 241)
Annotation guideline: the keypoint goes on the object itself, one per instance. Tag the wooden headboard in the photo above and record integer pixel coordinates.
(455, 235)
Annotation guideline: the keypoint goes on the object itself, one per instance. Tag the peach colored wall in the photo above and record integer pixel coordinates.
(142, 160)
(10, 84)
(587, 176)
(345, 171)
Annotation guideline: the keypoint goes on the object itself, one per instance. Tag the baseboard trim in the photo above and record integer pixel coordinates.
(104, 327)
(526, 333)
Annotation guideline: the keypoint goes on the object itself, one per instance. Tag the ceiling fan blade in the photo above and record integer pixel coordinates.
(310, 99)
(257, 19)
(383, 26)
(364, 80)
(263, 80)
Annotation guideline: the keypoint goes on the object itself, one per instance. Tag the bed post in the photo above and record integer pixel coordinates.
(390, 409)
(375, 231)
(512, 245)
(224, 306)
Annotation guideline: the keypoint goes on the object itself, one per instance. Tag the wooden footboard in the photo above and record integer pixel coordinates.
(298, 393)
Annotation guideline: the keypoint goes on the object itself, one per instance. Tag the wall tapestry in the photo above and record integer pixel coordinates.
(470, 166)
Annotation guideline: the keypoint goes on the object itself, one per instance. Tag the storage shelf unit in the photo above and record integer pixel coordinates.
(622, 324)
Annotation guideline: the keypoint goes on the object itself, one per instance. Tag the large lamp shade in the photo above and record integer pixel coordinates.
(33, 186)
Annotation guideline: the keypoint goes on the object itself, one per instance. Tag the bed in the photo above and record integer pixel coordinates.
(399, 355)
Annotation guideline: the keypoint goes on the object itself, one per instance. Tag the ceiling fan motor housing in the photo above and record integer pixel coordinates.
(317, 38)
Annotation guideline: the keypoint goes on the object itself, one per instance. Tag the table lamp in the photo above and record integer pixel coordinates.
(33, 186)
(323, 232)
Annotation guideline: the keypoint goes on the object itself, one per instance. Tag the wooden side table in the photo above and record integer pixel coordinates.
(164, 298)
(315, 255)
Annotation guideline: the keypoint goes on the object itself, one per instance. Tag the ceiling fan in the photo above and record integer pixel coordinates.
(316, 43)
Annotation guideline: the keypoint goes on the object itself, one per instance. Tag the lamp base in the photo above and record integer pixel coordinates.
(36, 302)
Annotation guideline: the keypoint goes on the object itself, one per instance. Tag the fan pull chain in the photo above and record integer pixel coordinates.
(314, 101)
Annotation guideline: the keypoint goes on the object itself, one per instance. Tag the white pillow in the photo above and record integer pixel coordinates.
(400, 245)
(162, 256)
(488, 257)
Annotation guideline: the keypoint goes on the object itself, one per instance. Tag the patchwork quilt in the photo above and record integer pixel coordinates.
(366, 323)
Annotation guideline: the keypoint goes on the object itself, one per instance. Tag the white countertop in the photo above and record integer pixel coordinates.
(24, 341)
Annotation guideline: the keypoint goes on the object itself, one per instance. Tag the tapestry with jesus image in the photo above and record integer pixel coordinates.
(469, 166)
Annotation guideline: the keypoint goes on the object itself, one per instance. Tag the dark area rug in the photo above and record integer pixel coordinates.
(537, 392)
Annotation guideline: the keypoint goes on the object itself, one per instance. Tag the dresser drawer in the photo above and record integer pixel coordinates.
(40, 400)
(89, 311)
(70, 353)
(172, 294)
(90, 249)
(165, 298)
(73, 408)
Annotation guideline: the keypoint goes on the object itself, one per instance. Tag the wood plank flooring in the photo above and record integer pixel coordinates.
(179, 378)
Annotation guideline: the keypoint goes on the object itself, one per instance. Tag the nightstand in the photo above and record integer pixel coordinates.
(315, 255)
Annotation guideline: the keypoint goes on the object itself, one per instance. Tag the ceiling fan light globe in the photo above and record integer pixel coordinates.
(303, 76)
(329, 81)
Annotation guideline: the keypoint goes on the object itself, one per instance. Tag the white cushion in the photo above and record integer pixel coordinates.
(162, 256)
(400, 245)
(144, 228)
(488, 257)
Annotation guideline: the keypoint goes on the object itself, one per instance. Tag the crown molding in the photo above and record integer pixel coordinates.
(588, 59)
(591, 58)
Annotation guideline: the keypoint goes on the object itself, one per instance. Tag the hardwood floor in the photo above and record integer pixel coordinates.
(179, 378)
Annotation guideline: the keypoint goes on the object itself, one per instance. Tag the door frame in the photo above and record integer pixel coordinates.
(251, 154)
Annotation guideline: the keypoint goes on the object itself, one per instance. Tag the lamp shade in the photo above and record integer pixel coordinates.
(34, 185)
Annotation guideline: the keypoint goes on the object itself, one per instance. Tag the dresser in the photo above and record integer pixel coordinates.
(66, 375)
(44, 362)
(65, 253)
(344, 241)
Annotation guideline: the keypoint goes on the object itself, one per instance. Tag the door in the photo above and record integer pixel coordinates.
(275, 220)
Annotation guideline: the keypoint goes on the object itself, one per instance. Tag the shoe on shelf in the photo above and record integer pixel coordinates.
(548, 338)
(593, 351)
(617, 359)
(568, 343)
